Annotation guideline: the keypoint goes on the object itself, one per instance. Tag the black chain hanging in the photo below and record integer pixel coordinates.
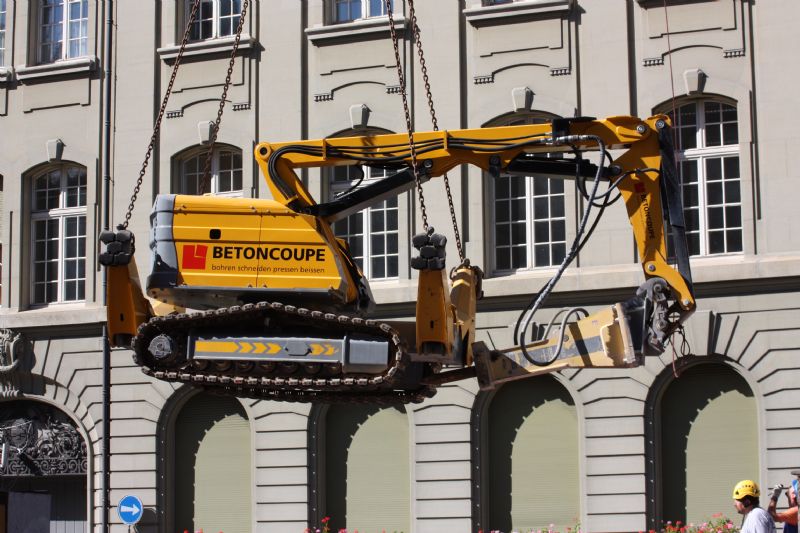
(409, 125)
(435, 123)
(162, 110)
(205, 181)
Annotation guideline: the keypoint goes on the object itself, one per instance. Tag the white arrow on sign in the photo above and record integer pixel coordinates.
(126, 509)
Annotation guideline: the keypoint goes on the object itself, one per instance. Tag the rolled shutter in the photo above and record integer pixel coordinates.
(367, 469)
(709, 442)
(213, 466)
(533, 457)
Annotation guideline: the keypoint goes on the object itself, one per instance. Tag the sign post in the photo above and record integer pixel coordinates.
(130, 510)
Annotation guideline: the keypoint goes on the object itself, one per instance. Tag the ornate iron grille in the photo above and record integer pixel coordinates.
(39, 440)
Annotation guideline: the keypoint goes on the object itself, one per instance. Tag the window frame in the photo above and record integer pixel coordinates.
(365, 6)
(530, 221)
(701, 153)
(366, 214)
(61, 214)
(216, 18)
(65, 23)
(179, 184)
(4, 31)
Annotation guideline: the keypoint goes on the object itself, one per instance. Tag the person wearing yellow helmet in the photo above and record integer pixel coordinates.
(746, 500)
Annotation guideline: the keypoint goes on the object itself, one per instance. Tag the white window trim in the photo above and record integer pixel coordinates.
(215, 21)
(494, 13)
(61, 214)
(207, 47)
(200, 154)
(366, 213)
(64, 35)
(491, 199)
(701, 153)
(530, 228)
(4, 52)
(365, 4)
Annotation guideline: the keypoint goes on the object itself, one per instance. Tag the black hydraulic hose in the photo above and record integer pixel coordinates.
(524, 321)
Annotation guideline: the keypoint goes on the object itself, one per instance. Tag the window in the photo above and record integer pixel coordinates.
(63, 29)
(215, 18)
(708, 161)
(350, 10)
(2, 32)
(373, 233)
(528, 218)
(226, 172)
(59, 235)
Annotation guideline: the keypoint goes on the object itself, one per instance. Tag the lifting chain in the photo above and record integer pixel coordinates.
(435, 124)
(157, 126)
(205, 181)
(434, 121)
(409, 125)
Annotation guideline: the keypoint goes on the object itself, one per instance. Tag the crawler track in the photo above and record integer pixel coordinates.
(400, 382)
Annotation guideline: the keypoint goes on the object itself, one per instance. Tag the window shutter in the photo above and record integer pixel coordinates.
(709, 442)
(533, 457)
(213, 466)
(367, 469)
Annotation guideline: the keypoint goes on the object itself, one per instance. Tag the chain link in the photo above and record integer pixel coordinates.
(409, 125)
(215, 128)
(157, 126)
(435, 123)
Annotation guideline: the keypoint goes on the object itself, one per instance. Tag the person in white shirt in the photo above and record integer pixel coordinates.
(746, 500)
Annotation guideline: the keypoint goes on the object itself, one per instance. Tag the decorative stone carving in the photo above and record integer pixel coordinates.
(653, 61)
(695, 80)
(204, 129)
(55, 149)
(359, 116)
(39, 441)
(522, 98)
(11, 348)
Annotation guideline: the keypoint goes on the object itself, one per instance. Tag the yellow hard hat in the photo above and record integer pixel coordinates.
(746, 487)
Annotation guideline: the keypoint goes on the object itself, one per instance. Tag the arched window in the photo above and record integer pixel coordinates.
(225, 173)
(213, 466)
(367, 478)
(530, 474)
(58, 216)
(43, 482)
(708, 160)
(528, 215)
(373, 234)
(698, 417)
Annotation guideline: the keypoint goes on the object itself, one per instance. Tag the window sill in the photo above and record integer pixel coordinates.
(81, 65)
(206, 48)
(358, 30)
(519, 10)
(768, 272)
(6, 73)
(52, 316)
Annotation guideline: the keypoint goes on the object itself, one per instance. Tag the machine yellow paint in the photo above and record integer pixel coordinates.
(236, 247)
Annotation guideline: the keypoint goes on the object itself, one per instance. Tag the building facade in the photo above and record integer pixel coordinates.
(605, 450)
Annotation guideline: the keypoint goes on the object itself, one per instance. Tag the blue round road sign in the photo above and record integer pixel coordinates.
(130, 509)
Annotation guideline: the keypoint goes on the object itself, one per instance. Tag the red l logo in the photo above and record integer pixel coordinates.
(194, 256)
